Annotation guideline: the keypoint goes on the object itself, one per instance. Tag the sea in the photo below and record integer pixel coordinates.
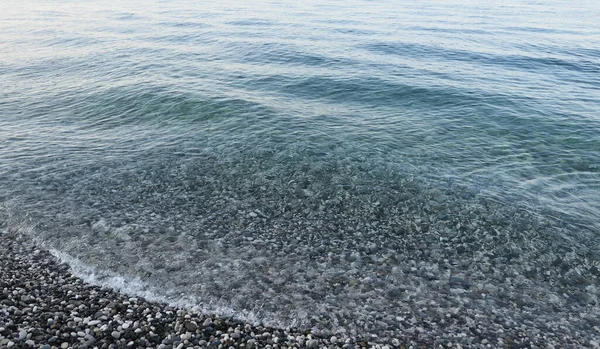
(343, 166)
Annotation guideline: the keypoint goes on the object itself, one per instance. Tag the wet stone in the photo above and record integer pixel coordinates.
(22, 335)
(458, 281)
(190, 326)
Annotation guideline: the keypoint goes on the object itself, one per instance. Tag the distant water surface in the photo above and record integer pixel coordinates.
(333, 165)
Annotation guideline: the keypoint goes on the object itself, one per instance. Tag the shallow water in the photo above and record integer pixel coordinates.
(328, 165)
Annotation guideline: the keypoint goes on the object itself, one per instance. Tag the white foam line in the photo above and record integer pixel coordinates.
(136, 287)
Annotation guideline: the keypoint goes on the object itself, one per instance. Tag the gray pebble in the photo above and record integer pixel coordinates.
(191, 326)
(22, 335)
(458, 281)
(89, 339)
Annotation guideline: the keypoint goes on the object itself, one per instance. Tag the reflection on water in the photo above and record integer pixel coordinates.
(331, 166)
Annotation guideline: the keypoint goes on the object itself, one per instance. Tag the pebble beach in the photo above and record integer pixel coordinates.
(315, 174)
(43, 305)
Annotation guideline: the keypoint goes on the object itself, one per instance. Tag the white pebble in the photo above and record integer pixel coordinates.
(22, 335)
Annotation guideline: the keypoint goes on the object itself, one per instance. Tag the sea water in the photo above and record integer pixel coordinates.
(335, 165)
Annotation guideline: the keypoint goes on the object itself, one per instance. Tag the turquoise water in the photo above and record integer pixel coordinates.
(329, 165)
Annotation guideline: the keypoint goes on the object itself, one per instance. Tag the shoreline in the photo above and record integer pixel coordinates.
(43, 305)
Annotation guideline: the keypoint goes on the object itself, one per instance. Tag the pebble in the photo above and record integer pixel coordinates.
(22, 335)
(191, 326)
(92, 314)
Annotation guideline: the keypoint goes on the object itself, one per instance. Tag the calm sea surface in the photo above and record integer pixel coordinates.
(334, 165)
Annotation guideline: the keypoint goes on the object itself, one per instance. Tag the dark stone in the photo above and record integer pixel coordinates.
(173, 340)
(395, 293)
(458, 281)
(190, 326)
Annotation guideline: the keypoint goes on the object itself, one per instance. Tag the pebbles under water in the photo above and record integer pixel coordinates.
(45, 306)
(361, 170)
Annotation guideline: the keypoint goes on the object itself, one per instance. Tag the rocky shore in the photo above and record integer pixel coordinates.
(42, 305)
